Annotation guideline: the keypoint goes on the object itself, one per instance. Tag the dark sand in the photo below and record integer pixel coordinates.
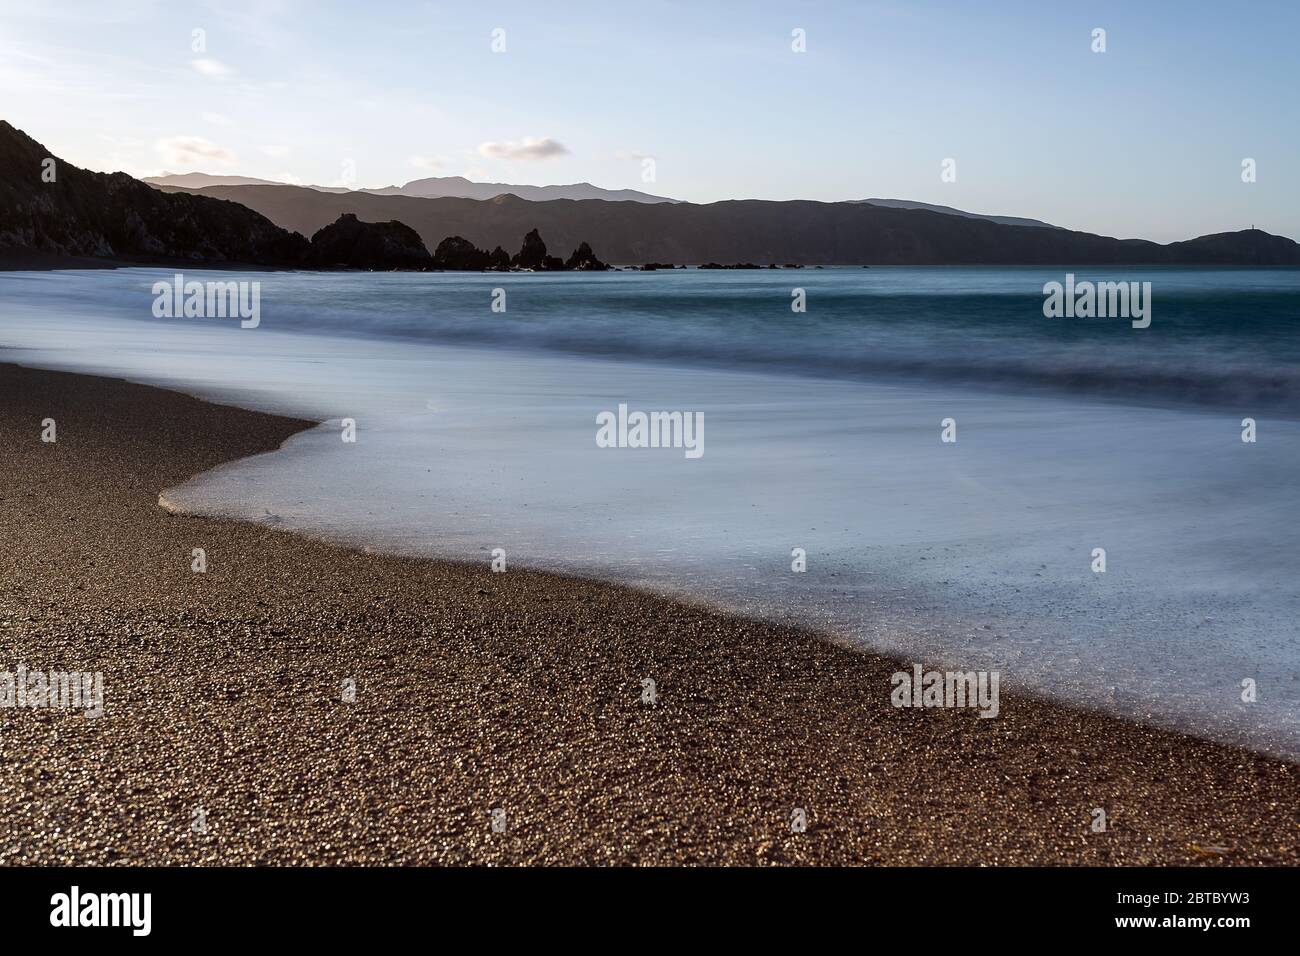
(478, 690)
(27, 260)
(31, 260)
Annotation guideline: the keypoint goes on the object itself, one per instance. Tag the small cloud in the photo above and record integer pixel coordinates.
(210, 67)
(631, 154)
(216, 119)
(525, 149)
(432, 163)
(276, 151)
(192, 151)
(477, 173)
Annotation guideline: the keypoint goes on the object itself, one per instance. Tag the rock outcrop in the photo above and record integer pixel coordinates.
(51, 207)
(584, 260)
(532, 254)
(461, 254)
(349, 243)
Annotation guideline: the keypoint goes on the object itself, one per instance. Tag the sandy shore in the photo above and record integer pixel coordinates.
(28, 260)
(226, 737)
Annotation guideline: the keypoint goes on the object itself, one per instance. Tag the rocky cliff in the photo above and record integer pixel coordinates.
(52, 207)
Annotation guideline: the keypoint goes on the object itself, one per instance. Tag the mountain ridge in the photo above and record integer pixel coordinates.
(804, 232)
(430, 187)
(952, 211)
(103, 215)
(53, 213)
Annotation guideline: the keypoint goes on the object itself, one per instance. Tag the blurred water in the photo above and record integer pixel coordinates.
(1217, 335)
(976, 553)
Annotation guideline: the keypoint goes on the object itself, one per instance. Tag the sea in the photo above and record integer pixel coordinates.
(917, 460)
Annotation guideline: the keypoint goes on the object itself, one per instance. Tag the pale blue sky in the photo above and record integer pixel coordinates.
(1146, 139)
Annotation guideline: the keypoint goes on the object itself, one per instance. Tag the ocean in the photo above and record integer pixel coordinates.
(821, 446)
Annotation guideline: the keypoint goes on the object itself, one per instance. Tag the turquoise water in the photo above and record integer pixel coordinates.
(1218, 336)
(476, 430)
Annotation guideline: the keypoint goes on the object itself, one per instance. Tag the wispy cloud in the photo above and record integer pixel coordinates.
(525, 149)
(210, 67)
(192, 151)
(432, 163)
(627, 154)
(218, 119)
(275, 151)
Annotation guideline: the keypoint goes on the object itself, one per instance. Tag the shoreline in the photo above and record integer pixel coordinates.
(519, 691)
(38, 261)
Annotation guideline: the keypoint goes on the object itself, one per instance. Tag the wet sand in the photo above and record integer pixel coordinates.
(227, 738)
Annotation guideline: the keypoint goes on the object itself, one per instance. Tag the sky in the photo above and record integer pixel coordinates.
(1146, 139)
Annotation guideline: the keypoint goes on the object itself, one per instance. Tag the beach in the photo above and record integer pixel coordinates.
(299, 702)
(476, 436)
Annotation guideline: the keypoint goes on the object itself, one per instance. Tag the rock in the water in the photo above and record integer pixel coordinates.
(349, 243)
(457, 253)
(532, 255)
(584, 260)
